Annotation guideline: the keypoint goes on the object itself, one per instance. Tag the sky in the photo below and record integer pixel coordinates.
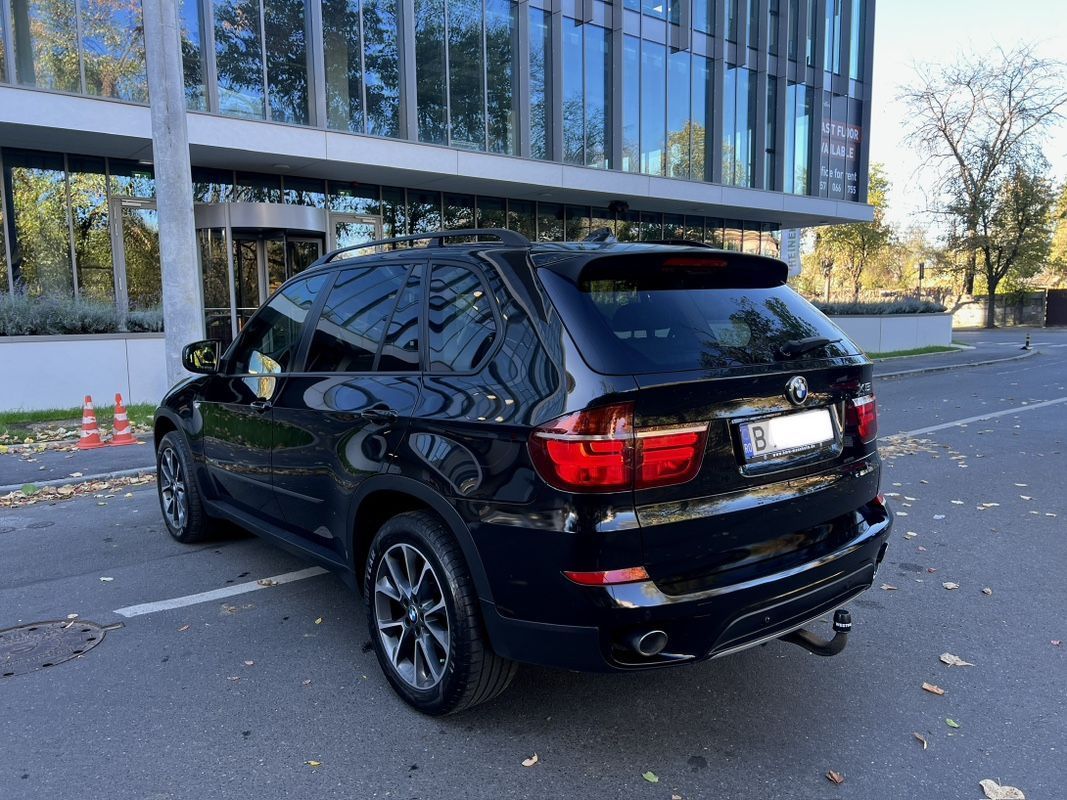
(931, 31)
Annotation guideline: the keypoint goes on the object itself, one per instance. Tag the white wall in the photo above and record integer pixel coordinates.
(882, 333)
(58, 371)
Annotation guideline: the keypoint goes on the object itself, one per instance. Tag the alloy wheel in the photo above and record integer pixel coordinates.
(172, 489)
(412, 617)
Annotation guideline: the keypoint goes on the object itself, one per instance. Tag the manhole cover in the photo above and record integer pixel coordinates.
(45, 644)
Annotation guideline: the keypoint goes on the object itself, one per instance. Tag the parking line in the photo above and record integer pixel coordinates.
(218, 594)
(992, 415)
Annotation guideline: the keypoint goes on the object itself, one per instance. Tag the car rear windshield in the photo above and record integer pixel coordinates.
(629, 318)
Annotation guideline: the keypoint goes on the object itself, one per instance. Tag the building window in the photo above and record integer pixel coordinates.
(381, 65)
(87, 179)
(586, 94)
(190, 29)
(285, 35)
(704, 16)
(679, 119)
(501, 41)
(575, 223)
(797, 137)
(772, 27)
(36, 187)
(703, 104)
(113, 50)
(466, 71)
(832, 40)
(753, 23)
(794, 29)
(492, 212)
(550, 222)
(771, 134)
(46, 33)
(540, 84)
(739, 120)
(856, 40)
(459, 211)
(653, 107)
(631, 104)
(809, 45)
(731, 20)
(239, 58)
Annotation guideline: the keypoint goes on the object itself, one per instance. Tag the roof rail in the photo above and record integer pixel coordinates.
(680, 243)
(436, 239)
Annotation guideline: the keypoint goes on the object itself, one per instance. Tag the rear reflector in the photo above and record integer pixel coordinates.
(609, 577)
(861, 416)
(598, 450)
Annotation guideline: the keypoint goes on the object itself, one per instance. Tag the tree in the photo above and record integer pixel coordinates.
(1015, 227)
(1058, 254)
(856, 247)
(976, 118)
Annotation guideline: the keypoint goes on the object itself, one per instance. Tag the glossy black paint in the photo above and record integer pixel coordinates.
(737, 555)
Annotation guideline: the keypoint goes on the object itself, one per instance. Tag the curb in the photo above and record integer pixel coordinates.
(948, 367)
(101, 476)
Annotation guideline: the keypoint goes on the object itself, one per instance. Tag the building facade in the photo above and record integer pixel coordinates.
(321, 123)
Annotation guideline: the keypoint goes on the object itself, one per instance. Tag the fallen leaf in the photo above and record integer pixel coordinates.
(651, 777)
(939, 516)
(234, 678)
(313, 763)
(951, 723)
(950, 585)
(902, 513)
(1056, 642)
(931, 570)
(75, 474)
(921, 738)
(183, 629)
(987, 591)
(529, 762)
(107, 580)
(954, 661)
(910, 535)
(1025, 497)
(318, 621)
(267, 582)
(889, 587)
(1023, 485)
(932, 689)
(249, 663)
(676, 797)
(128, 494)
(994, 791)
(835, 777)
(957, 502)
(306, 682)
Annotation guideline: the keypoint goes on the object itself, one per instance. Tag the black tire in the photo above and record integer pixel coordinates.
(470, 673)
(173, 459)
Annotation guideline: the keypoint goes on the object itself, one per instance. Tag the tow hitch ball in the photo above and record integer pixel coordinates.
(824, 647)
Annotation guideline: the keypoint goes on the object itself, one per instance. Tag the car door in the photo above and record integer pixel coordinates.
(236, 405)
(340, 419)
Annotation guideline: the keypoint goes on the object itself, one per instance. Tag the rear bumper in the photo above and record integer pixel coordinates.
(699, 626)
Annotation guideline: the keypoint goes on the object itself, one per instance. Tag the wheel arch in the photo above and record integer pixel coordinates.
(382, 497)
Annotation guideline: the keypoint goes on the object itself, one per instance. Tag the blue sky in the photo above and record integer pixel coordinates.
(907, 31)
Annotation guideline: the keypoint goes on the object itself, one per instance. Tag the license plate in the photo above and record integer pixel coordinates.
(787, 434)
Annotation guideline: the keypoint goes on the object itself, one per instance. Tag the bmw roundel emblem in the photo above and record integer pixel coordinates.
(797, 390)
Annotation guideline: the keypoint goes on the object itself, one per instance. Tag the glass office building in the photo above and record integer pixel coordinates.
(323, 123)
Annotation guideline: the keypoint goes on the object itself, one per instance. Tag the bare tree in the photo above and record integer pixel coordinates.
(975, 118)
(857, 246)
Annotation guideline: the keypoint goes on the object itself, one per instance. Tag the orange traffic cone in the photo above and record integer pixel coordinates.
(90, 436)
(123, 434)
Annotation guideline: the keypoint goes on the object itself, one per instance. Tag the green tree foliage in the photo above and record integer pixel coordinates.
(854, 248)
(1014, 228)
(1057, 267)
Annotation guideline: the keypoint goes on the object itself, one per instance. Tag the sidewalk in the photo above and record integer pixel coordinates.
(936, 362)
(20, 468)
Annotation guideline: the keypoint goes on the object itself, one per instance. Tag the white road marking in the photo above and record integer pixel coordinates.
(992, 415)
(218, 594)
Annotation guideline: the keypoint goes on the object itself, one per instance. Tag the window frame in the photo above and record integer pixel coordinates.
(479, 273)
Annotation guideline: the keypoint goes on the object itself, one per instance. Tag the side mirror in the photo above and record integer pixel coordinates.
(202, 357)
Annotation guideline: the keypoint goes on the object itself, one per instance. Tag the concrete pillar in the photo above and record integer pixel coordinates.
(183, 304)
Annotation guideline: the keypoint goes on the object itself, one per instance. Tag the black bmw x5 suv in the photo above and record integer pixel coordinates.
(595, 456)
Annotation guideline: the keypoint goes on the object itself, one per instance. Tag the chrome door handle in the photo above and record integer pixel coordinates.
(260, 405)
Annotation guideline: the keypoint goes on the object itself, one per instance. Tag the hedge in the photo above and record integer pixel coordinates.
(908, 305)
(53, 316)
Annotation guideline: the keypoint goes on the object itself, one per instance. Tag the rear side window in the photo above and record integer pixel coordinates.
(356, 318)
(667, 321)
(462, 326)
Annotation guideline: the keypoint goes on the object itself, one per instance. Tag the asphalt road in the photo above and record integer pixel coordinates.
(158, 710)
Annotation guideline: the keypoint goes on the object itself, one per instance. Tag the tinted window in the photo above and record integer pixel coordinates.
(269, 341)
(665, 321)
(355, 318)
(462, 327)
(400, 350)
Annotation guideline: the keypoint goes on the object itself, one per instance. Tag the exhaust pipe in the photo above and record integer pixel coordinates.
(649, 643)
(824, 647)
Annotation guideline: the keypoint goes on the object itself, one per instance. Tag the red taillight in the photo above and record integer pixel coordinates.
(598, 450)
(861, 416)
(609, 577)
